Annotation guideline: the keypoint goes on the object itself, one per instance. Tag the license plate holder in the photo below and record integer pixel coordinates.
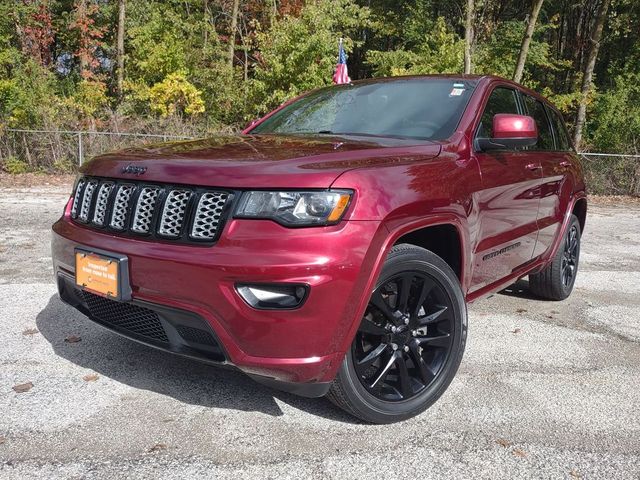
(102, 273)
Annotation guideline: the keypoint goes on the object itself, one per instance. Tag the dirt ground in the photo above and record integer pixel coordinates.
(546, 389)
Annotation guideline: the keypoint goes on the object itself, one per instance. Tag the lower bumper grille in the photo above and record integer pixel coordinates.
(174, 330)
(135, 319)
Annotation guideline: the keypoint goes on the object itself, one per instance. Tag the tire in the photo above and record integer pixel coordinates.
(552, 283)
(425, 345)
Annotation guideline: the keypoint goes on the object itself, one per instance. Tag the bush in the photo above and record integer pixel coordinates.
(14, 165)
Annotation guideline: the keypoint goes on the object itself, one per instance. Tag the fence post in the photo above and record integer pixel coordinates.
(80, 150)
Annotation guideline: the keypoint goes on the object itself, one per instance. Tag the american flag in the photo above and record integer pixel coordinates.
(341, 75)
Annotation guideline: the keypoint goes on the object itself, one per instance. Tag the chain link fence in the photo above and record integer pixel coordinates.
(612, 174)
(65, 150)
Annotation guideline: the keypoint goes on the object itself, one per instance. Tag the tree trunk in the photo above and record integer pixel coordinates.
(526, 40)
(205, 12)
(232, 33)
(588, 71)
(84, 61)
(468, 37)
(120, 49)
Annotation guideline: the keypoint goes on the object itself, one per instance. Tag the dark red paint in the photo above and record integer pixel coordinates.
(492, 199)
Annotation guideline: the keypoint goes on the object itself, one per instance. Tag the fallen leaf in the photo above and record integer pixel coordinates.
(521, 310)
(555, 312)
(549, 316)
(2, 440)
(30, 331)
(72, 339)
(517, 330)
(92, 377)
(23, 387)
(503, 443)
(519, 453)
(575, 474)
(157, 447)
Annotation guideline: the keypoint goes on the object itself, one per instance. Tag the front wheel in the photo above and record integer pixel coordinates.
(556, 281)
(410, 341)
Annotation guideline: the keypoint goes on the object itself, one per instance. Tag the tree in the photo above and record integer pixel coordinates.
(526, 40)
(232, 33)
(120, 49)
(468, 37)
(588, 72)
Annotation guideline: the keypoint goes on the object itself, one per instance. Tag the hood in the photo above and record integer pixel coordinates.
(259, 161)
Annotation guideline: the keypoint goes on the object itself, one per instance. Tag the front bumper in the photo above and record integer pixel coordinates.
(288, 347)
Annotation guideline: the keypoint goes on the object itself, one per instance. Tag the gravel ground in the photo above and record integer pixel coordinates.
(546, 390)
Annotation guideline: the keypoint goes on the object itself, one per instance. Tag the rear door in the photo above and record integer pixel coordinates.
(553, 152)
(507, 202)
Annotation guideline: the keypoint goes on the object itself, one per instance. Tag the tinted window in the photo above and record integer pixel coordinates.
(537, 111)
(502, 100)
(562, 137)
(413, 108)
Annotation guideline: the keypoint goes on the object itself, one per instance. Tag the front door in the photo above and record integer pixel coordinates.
(507, 203)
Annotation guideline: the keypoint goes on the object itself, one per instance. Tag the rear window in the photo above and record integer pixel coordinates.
(428, 109)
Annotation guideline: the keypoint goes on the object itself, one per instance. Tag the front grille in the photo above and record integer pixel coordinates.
(178, 213)
(132, 318)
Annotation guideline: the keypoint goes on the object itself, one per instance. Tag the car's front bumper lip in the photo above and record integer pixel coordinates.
(294, 346)
(209, 352)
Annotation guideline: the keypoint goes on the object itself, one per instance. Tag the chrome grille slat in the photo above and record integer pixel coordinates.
(173, 212)
(100, 209)
(76, 197)
(177, 213)
(145, 207)
(87, 197)
(121, 206)
(208, 215)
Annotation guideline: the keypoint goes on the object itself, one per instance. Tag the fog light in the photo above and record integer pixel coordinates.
(273, 296)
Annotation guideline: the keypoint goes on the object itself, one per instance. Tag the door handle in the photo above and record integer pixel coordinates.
(534, 166)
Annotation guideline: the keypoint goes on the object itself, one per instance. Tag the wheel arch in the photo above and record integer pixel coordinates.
(580, 211)
(443, 239)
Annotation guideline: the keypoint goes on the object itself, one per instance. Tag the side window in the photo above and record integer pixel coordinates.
(562, 137)
(502, 100)
(537, 111)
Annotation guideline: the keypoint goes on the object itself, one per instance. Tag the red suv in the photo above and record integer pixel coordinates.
(331, 248)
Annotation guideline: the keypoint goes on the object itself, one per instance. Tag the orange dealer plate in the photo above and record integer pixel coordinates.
(97, 274)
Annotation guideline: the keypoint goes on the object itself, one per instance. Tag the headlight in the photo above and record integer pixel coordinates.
(295, 209)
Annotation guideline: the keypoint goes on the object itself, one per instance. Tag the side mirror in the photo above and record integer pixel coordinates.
(510, 131)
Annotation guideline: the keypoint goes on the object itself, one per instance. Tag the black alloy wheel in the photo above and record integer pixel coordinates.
(556, 280)
(569, 263)
(409, 343)
(404, 338)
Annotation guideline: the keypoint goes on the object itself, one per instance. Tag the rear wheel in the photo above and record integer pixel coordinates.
(556, 281)
(410, 341)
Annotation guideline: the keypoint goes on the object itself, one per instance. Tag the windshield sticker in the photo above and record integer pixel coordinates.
(456, 91)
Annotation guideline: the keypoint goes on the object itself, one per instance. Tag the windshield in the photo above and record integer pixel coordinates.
(427, 108)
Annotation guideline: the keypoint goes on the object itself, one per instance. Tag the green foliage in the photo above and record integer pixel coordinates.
(175, 96)
(14, 165)
(58, 59)
(615, 125)
(299, 53)
(439, 50)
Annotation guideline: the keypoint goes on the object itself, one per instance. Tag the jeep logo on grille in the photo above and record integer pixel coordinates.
(134, 169)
